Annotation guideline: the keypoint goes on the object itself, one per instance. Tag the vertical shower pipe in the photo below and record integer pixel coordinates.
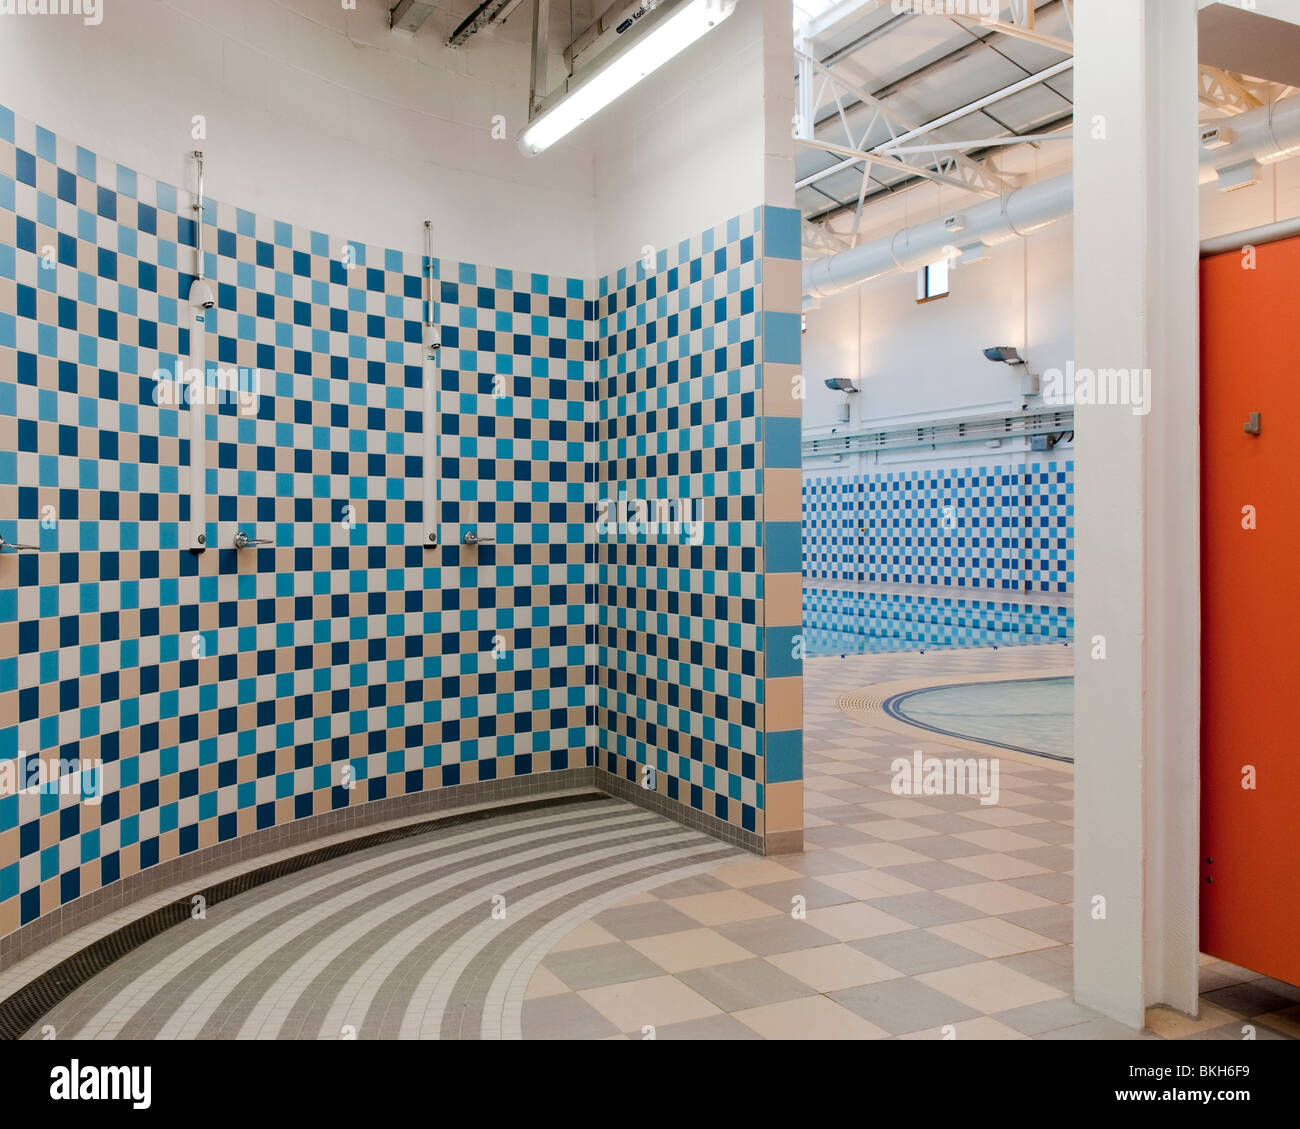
(194, 386)
(432, 346)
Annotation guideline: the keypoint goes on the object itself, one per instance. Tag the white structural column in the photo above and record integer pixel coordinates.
(1137, 703)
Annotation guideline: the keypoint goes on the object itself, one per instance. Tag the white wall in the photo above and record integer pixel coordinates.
(925, 361)
(1276, 197)
(684, 150)
(317, 115)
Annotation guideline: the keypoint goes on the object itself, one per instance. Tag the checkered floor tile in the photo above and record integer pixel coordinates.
(919, 918)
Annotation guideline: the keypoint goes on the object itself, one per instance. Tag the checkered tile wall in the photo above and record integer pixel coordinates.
(1007, 528)
(226, 693)
(693, 349)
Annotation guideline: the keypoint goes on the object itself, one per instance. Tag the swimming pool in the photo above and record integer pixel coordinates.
(844, 621)
(1028, 715)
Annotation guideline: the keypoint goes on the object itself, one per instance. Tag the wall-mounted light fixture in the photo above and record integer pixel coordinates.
(849, 388)
(1009, 355)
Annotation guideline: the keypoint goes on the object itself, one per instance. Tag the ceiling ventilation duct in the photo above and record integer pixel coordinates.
(1264, 136)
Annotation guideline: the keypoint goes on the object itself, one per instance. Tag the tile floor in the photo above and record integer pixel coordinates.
(917, 918)
(923, 917)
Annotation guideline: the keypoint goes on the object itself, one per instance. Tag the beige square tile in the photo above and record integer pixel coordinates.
(990, 987)
(722, 907)
(658, 1000)
(545, 983)
(999, 867)
(902, 807)
(813, 1017)
(992, 937)
(1001, 817)
(995, 897)
(999, 839)
(877, 855)
(691, 948)
(868, 884)
(753, 872)
(820, 784)
(585, 936)
(1169, 1024)
(893, 830)
(1287, 1021)
(814, 800)
(833, 967)
(635, 900)
(985, 1027)
(854, 920)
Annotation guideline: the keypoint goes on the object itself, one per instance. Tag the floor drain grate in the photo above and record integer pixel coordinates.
(860, 703)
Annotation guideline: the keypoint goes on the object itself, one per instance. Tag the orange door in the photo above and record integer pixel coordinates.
(1250, 603)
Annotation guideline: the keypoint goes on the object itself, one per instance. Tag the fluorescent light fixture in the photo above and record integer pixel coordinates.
(644, 55)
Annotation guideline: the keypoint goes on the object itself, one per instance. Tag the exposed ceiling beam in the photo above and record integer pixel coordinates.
(978, 104)
(857, 155)
(1019, 31)
(830, 19)
(1220, 89)
(957, 170)
(977, 41)
(912, 181)
(985, 142)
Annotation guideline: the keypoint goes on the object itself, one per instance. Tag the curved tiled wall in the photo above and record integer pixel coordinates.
(221, 696)
(224, 693)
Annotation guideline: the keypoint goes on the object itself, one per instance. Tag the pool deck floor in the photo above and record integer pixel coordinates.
(925, 917)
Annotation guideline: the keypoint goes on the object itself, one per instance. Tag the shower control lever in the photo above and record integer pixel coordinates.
(244, 541)
(11, 547)
(471, 539)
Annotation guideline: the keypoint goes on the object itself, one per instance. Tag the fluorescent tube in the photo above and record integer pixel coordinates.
(645, 55)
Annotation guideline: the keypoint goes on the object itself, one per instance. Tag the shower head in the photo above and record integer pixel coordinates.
(201, 294)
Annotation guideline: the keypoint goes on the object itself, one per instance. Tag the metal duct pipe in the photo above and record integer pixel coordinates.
(1267, 135)
(989, 223)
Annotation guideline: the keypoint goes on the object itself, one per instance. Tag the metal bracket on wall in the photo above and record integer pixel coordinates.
(1252, 426)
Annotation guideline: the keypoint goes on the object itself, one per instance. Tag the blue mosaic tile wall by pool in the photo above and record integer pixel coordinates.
(1005, 528)
(226, 693)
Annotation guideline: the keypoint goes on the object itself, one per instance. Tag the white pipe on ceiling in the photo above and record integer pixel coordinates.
(1267, 135)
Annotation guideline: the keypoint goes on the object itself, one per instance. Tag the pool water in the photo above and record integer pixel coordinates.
(840, 621)
(1031, 715)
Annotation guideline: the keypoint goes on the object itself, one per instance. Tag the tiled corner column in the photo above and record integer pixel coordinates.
(782, 410)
